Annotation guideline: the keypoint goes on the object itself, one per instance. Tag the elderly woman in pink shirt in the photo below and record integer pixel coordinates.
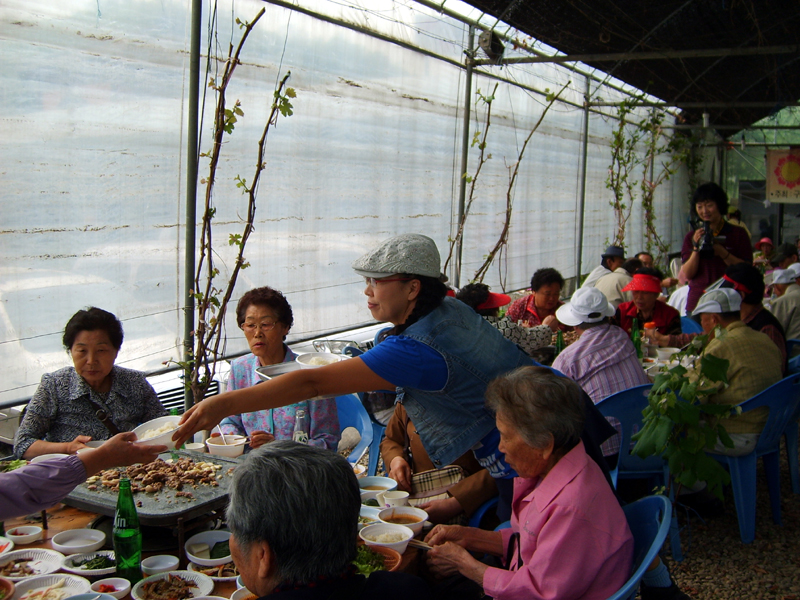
(569, 538)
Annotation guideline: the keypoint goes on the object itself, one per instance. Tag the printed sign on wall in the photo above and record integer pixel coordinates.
(783, 175)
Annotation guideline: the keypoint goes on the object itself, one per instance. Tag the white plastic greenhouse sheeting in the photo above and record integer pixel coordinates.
(93, 135)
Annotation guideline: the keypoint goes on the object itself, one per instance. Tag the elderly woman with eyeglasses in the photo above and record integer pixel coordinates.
(265, 317)
(568, 538)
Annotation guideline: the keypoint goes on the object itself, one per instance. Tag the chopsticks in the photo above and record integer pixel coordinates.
(418, 544)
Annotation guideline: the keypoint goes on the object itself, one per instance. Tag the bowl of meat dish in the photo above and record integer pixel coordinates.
(27, 534)
(91, 596)
(413, 518)
(387, 535)
(209, 548)
(114, 586)
(232, 447)
(158, 431)
(175, 585)
(78, 541)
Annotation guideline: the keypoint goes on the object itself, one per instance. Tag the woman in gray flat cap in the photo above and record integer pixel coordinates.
(440, 356)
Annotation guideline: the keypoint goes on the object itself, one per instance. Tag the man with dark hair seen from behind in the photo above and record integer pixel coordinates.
(293, 515)
(710, 249)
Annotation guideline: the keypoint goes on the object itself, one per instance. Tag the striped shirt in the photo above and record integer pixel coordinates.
(603, 362)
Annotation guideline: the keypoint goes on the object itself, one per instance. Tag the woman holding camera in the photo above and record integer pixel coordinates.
(709, 250)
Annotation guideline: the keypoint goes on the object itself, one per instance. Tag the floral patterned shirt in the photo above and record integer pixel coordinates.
(60, 409)
(323, 418)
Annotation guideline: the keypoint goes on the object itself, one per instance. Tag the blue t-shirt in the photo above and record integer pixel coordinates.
(403, 362)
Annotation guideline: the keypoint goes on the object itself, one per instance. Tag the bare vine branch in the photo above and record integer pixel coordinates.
(503, 239)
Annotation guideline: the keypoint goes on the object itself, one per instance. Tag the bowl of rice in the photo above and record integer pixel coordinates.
(313, 360)
(387, 535)
(158, 431)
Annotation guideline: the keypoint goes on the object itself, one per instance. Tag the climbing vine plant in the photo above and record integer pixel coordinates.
(643, 156)
(211, 295)
(479, 140)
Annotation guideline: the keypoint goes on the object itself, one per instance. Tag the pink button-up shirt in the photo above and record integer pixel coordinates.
(574, 539)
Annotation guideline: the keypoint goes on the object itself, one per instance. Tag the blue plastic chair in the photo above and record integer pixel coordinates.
(783, 400)
(689, 325)
(627, 407)
(790, 345)
(353, 414)
(480, 512)
(378, 429)
(794, 361)
(649, 520)
(791, 449)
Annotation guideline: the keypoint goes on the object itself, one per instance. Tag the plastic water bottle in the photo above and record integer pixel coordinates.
(300, 427)
(127, 535)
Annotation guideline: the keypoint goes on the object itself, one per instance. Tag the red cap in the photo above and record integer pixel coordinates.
(494, 301)
(643, 283)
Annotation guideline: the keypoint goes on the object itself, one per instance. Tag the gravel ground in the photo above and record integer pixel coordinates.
(718, 566)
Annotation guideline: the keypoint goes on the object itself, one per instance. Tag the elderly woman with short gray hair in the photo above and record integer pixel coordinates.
(293, 515)
(568, 537)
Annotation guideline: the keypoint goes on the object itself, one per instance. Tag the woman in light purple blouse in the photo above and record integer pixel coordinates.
(266, 317)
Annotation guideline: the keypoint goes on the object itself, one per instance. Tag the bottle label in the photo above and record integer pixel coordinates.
(301, 437)
(120, 522)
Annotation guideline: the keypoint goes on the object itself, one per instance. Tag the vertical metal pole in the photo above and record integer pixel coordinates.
(582, 199)
(191, 191)
(462, 189)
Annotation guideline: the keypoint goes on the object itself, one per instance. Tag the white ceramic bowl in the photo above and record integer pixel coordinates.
(25, 534)
(210, 538)
(122, 586)
(233, 447)
(41, 457)
(665, 354)
(195, 447)
(369, 512)
(241, 593)
(161, 563)
(314, 360)
(202, 584)
(6, 545)
(376, 483)
(209, 598)
(371, 531)
(91, 596)
(163, 438)
(95, 443)
(410, 512)
(239, 583)
(70, 565)
(78, 541)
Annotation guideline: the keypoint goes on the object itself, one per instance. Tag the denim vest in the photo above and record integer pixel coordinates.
(452, 420)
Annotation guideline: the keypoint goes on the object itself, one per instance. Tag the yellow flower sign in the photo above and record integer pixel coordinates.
(783, 176)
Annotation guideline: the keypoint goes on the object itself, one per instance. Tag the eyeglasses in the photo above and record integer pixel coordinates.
(264, 326)
(372, 282)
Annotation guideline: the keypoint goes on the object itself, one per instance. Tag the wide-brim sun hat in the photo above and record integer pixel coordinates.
(722, 300)
(643, 283)
(587, 305)
(410, 253)
(494, 301)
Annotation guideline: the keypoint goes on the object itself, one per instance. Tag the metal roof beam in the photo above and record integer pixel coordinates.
(662, 55)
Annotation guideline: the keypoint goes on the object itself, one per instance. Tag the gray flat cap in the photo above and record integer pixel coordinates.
(410, 253)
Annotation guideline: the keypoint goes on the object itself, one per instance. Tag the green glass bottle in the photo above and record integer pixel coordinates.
(636, 338)
(127, 535)
(559, 343)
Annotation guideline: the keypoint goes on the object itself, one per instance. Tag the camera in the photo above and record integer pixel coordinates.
(706, 249)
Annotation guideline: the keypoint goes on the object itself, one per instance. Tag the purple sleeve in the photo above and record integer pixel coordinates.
(686, 249)
(39, 486)
(324, 424)
(740, 245)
